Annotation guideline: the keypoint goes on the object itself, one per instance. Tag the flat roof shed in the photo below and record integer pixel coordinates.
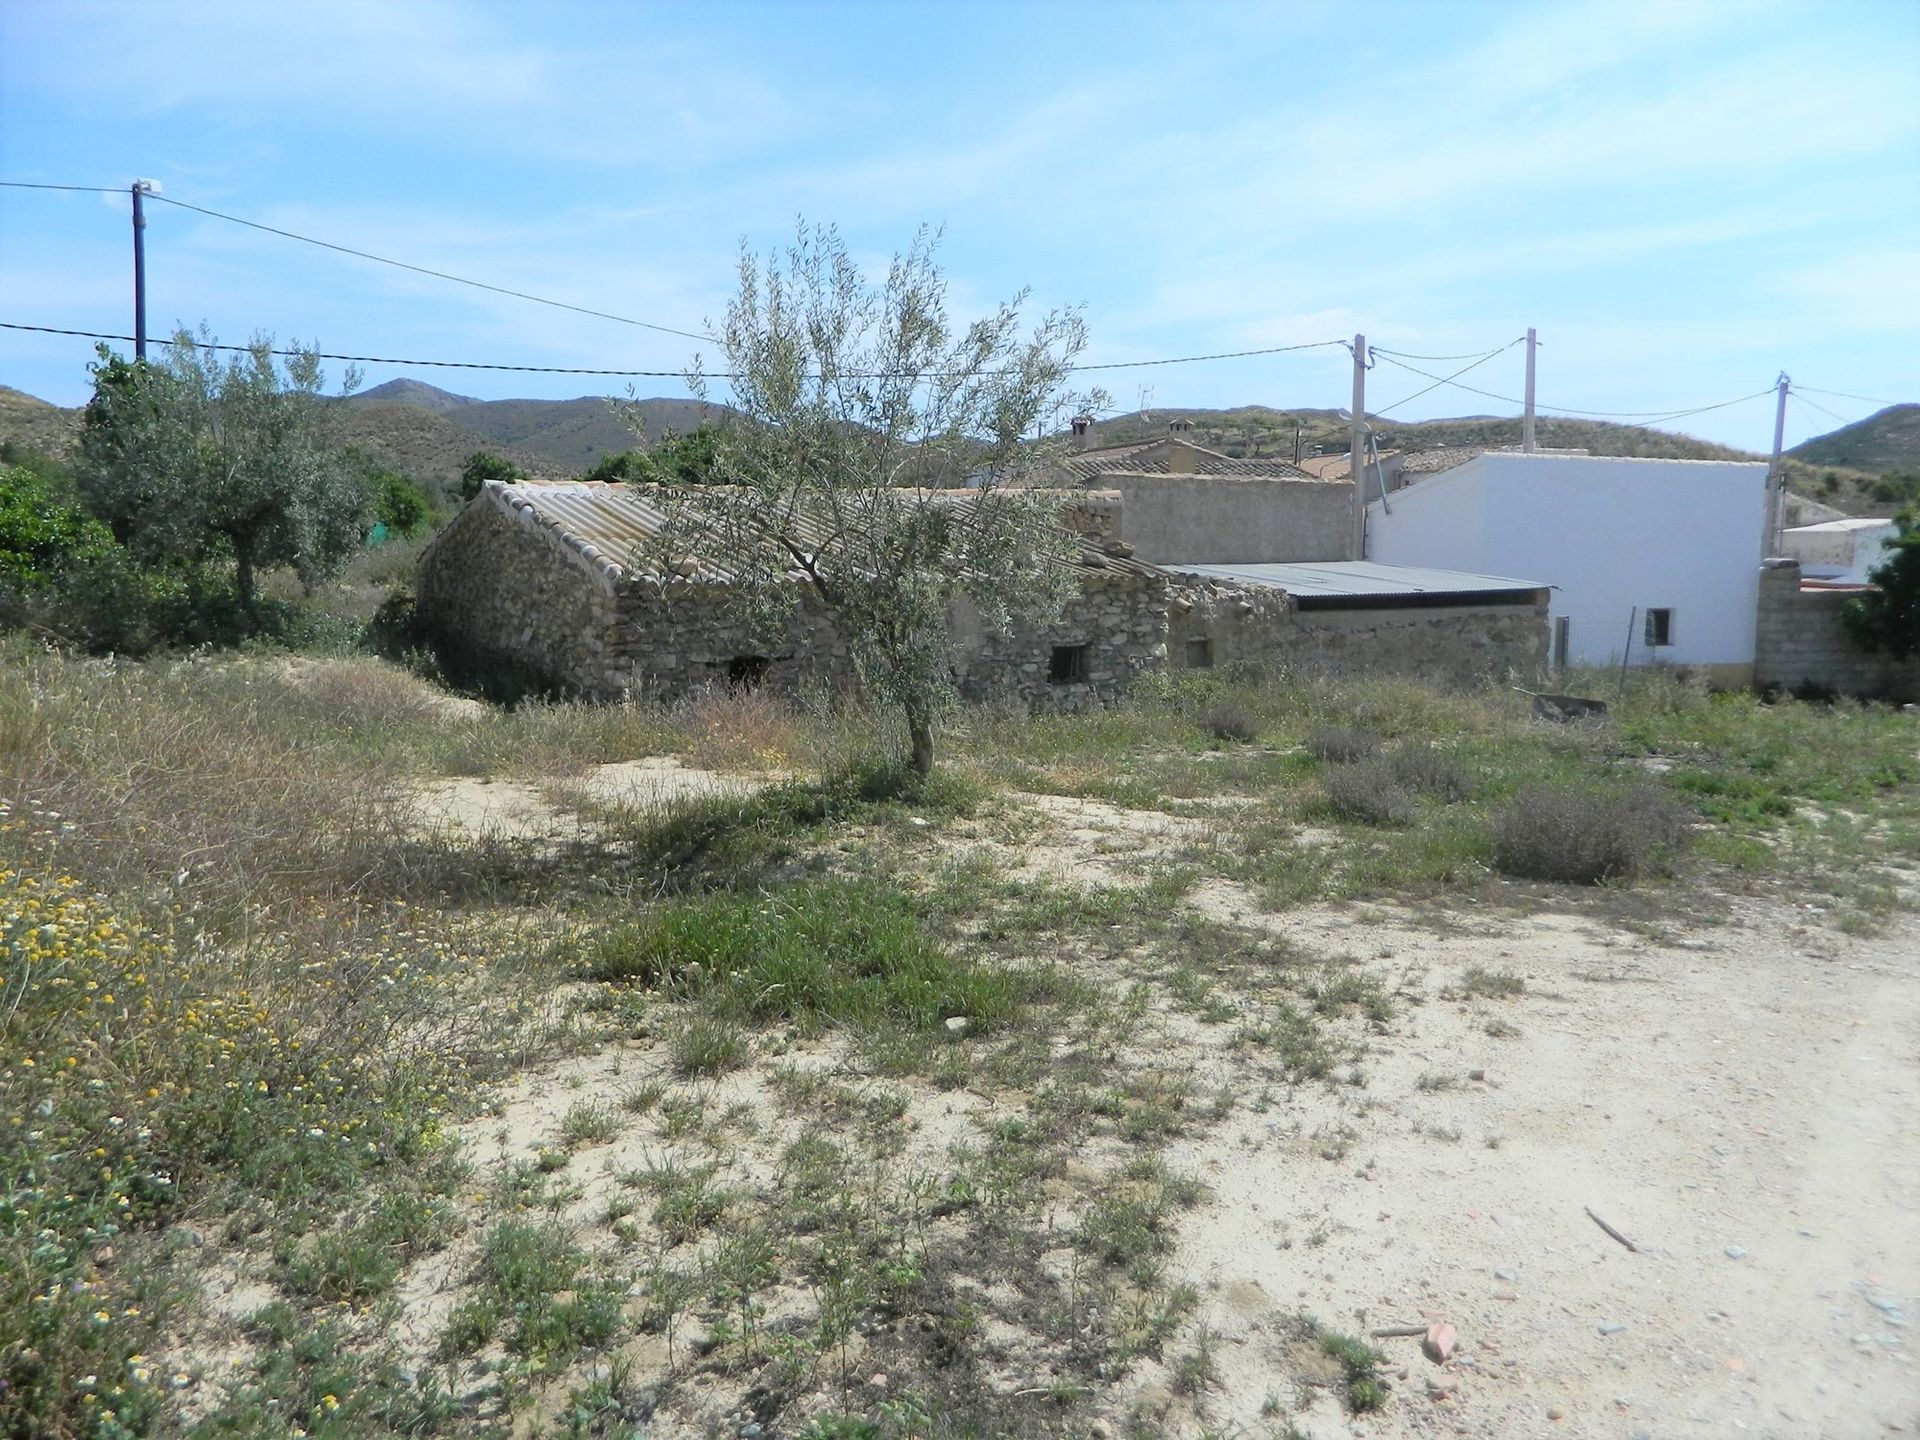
(1369, 585)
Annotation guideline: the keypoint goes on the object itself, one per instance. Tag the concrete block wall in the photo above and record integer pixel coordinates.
(1801, 644)
(1261, 630)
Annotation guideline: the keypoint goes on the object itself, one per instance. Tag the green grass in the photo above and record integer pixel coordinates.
(845, 952)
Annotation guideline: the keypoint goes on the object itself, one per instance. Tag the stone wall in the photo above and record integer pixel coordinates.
(1233, 519)
(1261, 630)
(496, 585)
(674, 639)
(1120, 619)
(1800, 644)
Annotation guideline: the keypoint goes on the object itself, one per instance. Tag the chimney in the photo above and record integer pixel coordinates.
(1082, 431)
(1180, 453)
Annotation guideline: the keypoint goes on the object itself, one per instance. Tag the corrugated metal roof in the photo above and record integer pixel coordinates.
(613, 519)
(1356, 578)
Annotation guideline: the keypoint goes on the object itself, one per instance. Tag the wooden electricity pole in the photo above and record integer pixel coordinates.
(139, 272)
(1357, 442)
(1776, 482)
(1526, 428)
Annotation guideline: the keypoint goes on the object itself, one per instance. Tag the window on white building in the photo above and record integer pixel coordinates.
(1659, 628)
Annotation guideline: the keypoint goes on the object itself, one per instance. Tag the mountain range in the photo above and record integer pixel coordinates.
(429, 432)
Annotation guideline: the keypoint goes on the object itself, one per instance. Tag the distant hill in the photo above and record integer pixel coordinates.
(1889, 440)
(32, 422)
(570, 435)
(429, 431)
(1260, 432)
(412, 392)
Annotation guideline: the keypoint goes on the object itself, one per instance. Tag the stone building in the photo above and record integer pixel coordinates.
(1801, 646)
(1181, 501)
(536, 577)
(1356, 617)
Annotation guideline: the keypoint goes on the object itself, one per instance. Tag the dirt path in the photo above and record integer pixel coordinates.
(1745, 1106)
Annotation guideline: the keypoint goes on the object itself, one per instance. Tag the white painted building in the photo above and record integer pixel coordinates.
(1842, 552)
(1654, 560)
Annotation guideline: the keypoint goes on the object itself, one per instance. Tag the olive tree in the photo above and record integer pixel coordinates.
(1887, 617)
(854, 401)
(194, 459)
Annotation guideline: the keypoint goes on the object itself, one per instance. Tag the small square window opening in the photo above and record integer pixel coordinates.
(1659, 629)
(1200, 654)
(1069, 666)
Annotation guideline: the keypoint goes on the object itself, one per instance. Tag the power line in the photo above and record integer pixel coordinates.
(635, 374)
(1222, 355)
(375, 359)
(1449, 379)
(1802, 401)
(1863, 399)
(1404, 355)
(78, 189)
(425, 270)
(1646, 415)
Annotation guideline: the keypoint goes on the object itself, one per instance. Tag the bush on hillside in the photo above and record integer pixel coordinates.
(1586, 837)
(1342, 745)
(1369, 791)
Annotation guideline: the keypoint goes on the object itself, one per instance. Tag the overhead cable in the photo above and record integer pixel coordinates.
(1449, 379)
(636, 374)
(1647, 415)
(1863, 399)
(425, 270)
(78, 189)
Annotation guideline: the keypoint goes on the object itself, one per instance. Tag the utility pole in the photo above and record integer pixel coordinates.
(1776, 482)
(1357, 442)
(141, 189)
(139, 272)
(1526, 429)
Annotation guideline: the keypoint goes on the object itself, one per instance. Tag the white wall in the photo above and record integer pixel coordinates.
(1440, 521)
(1612, 536)
(1842, 550)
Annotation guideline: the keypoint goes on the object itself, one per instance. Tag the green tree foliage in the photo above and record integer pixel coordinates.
(45, 537)
(62, 574)
(482, 466)
(399, 502)
(846, 392)
(1887, 617)
(193, 460)
(675, 460)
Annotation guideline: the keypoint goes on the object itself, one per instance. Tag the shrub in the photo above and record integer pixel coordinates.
(1586, 837)
(1230, 720)
(1425, 770)
(1369, 792)
(1341, 745)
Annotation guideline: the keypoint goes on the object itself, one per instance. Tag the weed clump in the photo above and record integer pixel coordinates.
(1342, 746)
(1583, 837)
(1426, 770)
(1369, 792)
(1230, 720)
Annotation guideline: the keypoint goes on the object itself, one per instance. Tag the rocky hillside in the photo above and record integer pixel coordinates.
(1886, 441)
(1257, 431)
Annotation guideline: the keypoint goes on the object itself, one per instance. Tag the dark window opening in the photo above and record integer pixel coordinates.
(747, 671)
(1069, 665)
(1200, 654)
(1659, 628)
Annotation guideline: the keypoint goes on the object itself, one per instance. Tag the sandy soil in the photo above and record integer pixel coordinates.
(522, 810)
(1744, 1106)
(1742, 1101)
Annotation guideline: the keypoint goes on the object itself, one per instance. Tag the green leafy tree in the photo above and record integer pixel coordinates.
(674, 460)
(1887, 617)
(399, 503)
(193, 460)
(482, 466)
(847, 394)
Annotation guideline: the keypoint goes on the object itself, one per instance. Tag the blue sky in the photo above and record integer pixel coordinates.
(1684, 199)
